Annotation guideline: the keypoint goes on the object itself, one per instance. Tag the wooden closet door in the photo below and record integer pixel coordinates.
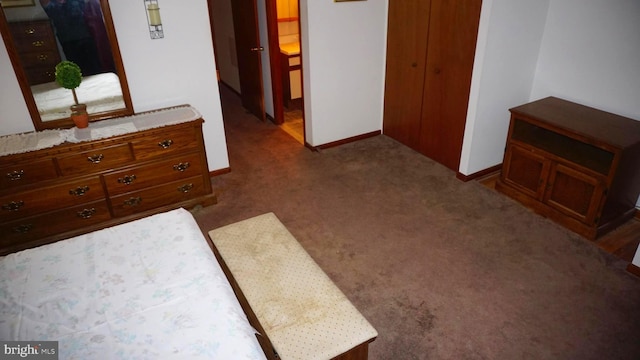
(407, 36)
(452, 40)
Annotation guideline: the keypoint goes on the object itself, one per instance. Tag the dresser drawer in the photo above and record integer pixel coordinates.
(53, 223)
(40, 58)
(163, 144)
(41, 74)
(31, 30)
(27, 173)
(37, 43)
(162, 195)
(96, 160)
(39, 200)
(173, 169)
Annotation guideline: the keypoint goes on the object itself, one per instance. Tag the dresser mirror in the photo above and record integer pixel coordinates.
(38, 37)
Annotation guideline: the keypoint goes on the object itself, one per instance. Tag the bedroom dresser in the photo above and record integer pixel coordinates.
(36, 45)
(63, 183)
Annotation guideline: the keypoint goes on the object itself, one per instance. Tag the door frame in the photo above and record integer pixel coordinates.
(274, 58)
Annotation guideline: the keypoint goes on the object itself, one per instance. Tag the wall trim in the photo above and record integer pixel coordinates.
(221, 82)
(343, 141)
(478, 174)
(634, 269)
(219, 172)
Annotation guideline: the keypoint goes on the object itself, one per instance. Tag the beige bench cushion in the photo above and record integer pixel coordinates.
(301, 310)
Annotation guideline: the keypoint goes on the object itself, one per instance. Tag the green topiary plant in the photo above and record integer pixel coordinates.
(69, 76)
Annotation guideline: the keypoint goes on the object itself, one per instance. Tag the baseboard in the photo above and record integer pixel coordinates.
(219, 172)
(634, 269)
(343, 141)
(229, 87)
(478, 174)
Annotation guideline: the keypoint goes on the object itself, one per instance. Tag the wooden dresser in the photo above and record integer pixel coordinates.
(36, 45)
(73, 188)
(574, 164)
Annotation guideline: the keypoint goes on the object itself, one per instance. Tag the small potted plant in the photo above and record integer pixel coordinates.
(69, 76)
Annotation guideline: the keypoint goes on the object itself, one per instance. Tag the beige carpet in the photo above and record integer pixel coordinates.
(441, 268)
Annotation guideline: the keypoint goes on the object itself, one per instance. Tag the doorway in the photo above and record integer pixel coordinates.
(281, 99)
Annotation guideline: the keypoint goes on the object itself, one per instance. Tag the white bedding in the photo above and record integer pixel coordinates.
(148, 289)
(101, 92)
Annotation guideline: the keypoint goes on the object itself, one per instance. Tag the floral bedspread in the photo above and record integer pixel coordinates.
(148, 289)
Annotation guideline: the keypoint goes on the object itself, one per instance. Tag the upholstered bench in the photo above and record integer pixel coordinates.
(301, 311)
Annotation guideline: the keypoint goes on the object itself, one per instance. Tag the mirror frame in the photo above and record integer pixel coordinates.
(26, 89)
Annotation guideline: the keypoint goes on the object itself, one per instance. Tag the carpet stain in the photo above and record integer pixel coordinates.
(420, 314)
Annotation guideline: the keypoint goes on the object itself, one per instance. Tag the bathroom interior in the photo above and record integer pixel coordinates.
(289, 39)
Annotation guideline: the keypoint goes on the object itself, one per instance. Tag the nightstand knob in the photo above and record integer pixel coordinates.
(165, 143)
(79, 191)
(185, 188)
(24, 228)
(15, 175)
(86, 213)
(127, 179)
(95, 158)
(13, 206)
(134, 201)
(181, 167)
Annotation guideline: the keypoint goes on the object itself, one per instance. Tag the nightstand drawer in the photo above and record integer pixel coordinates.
(178, 167)
(167, 194)
(38, 200)
(163, 144)
(27, 173)
(96, 160)
(23, 230)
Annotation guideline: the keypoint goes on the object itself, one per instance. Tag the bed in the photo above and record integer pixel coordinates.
(100, 92)
(147, 289)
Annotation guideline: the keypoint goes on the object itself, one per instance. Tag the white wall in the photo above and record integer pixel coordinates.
(590, 54)
(14, 117)
(160, 73)
(343, 47)
(509, 39)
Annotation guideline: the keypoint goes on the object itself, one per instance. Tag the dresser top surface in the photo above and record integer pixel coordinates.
(586, 121)
(38, 140)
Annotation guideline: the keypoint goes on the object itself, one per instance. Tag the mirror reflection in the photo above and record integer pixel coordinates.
(74, 30)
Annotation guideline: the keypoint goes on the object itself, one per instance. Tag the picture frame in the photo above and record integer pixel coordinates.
(17, 3)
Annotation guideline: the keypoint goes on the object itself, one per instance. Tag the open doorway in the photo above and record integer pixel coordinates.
(288, 20)
(278, 40)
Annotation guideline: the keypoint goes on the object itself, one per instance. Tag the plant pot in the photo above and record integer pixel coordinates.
(79, 115)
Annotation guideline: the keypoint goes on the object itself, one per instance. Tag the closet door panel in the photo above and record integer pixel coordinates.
(405, 70)
(452, 36)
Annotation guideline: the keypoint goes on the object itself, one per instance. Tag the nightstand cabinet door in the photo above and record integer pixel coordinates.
(574, 193)
(526, 171)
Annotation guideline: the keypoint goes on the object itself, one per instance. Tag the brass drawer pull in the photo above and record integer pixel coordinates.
(181, 167)
(86, 213)
(43, 57)
(15, 175)
(13, 206)
(22, 229)
(134, 201)
(79, 191)
(185, 188)
(95, 158)
(127, 179)
(38, 43)
(165, 143)
(29, 31)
